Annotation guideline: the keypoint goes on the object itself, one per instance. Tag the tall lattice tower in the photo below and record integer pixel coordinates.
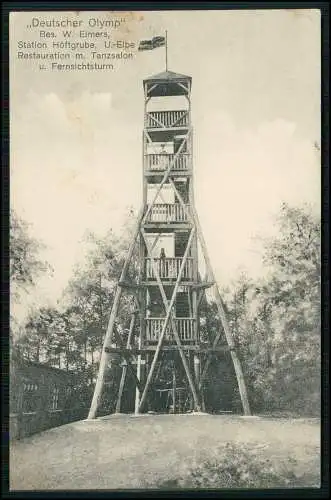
(165, 349)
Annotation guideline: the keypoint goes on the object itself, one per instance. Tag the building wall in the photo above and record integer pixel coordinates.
(41, 397)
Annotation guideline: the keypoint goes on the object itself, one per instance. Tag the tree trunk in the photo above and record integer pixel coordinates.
(85, 353)
(67, 355)
(38, 350)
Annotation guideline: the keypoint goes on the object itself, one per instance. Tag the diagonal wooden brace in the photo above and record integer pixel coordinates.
(146, 134)
(181, 201)
(179, 119)
(186, 88)
(152, 88)
(158, 122)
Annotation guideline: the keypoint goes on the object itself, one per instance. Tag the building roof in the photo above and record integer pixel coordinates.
(44, 366)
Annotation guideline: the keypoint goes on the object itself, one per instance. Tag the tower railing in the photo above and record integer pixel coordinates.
(167, 212)
(167, 119)
(168, 268)
(185, 328)
(161, 161)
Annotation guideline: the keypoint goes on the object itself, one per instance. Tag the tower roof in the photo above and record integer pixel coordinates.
(167, 75)
(168, 83)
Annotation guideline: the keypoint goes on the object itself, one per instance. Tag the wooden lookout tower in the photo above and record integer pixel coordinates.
(164, 351)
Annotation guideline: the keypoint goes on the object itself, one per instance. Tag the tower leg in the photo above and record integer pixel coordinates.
(121, 388)
(109, 333)
(227, 331)
(197, 373)
(104, 359)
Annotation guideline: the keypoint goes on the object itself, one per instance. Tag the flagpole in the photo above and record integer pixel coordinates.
(166, 50)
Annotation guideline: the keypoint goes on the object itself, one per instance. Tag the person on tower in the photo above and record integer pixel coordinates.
(163, 158)
(163, 263)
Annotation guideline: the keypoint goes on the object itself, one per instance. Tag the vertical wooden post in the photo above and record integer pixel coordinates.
(197, 368)
(120, 390)
(142, 312)
(174, 389)
(146, 369)
(137, 399)
(142, 291)
(125, 368)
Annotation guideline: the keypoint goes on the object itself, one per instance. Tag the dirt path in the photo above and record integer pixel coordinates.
(121, 452)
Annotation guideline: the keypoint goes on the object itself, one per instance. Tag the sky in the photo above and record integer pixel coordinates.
(76, 151)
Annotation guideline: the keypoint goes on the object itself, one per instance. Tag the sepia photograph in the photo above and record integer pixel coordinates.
(165, 250)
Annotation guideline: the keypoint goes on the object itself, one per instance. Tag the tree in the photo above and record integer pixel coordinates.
(25, 265)
(88, 297)
(280, 341)
(70, 336)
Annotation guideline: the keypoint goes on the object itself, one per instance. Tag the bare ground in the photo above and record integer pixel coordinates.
(129, 452)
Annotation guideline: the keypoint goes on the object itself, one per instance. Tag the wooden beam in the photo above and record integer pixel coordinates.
(168, 282)
(157, 122)
(152, 88)
(142, 300)
(178, 119)
(174, 173)
(181, 201)
(125, 368)
(129, 351)
(204, 285)
(146, 134)
(127, 284)
(152, 348)
(194, 348)
(183, 86)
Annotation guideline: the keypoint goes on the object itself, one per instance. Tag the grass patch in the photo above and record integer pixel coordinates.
(171, 451)
(241, 466)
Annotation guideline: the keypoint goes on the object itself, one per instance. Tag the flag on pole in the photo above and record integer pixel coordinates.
(154, 43)
(158, 41)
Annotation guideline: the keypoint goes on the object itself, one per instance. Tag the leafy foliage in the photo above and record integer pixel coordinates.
(25, 265)
(277, 320)
(240, 466)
